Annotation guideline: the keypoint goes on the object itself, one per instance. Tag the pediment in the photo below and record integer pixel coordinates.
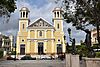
(40, 23)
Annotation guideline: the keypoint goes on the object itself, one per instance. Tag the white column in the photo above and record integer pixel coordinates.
(22, 14)
(2, 42)
(35, 33)
(52, 34)
(25, 14)
(53, 46)
(56, 14)
(28, 47)
(45, 42)
(45, 46)
(59, 14)
(29, 34)
(18, 45)
(45, 33)
(28, 44)
(52, 41)
(36, 47)
(63, 45)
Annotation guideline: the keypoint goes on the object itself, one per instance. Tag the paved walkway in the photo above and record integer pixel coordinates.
(32, 63)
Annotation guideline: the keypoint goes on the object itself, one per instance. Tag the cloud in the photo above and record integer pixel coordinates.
(44, 11)
(35, 12)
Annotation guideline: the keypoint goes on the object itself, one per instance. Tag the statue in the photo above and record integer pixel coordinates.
(88, 38)
(88, 43)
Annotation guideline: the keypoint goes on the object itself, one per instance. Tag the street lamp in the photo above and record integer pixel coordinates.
(69, 31)
(73, 41)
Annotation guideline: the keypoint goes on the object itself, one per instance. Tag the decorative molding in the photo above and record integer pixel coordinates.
(45, 40)
(41, 39)
(35, 40)
(40, 23)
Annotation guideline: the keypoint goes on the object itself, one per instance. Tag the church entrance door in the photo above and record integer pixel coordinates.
(59, 48)
(22, 49)
(40, 48)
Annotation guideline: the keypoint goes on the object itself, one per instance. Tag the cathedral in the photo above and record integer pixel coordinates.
(40, 37)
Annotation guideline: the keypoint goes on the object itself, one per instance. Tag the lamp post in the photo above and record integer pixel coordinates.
(69, 31)
(15, 53)
(73, 41)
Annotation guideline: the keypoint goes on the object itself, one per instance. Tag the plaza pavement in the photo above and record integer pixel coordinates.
(32, 63)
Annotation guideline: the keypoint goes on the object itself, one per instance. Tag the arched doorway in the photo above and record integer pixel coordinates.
(40, 48)
(22, 49)
(59, 48)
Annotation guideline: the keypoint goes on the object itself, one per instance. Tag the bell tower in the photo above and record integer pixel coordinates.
(59, 33)
(24, 19)
(58, 19)
(23, 32)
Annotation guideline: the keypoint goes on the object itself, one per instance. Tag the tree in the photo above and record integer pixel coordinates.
(6, 8)
(82, 13)
(82, 50)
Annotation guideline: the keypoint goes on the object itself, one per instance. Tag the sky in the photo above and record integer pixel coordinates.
(38, 8)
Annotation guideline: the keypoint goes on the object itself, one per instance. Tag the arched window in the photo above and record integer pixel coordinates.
(58, 26)
(26, 14)
(23, 26)
(57, 14)
(40, 33)
(23, 14)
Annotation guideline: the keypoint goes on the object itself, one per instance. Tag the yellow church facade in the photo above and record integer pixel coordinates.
(40, 37)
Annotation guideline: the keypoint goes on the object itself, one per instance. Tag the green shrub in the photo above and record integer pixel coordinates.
(69, 49)
(82, 50)
(1, 53)
(13, 53)
(28, 58)
(98, 54)
(95, 46)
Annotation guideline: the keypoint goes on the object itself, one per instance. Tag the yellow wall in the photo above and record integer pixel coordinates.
(21, 22)
(49, 47)
(32, 34)
(32, 47)
(31, 38)
(48, 33)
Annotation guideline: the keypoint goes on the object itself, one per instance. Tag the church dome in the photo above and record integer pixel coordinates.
(57, 9)
(24, 9)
